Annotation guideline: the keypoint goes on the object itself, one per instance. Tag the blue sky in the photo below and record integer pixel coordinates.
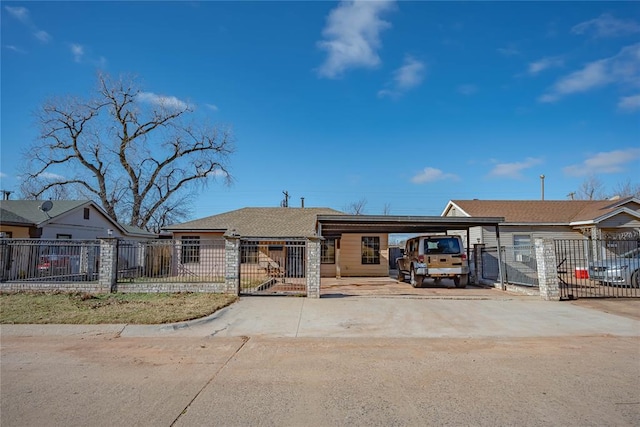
(403, 104)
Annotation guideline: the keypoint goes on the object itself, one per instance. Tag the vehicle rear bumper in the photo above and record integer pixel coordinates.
(434, 272)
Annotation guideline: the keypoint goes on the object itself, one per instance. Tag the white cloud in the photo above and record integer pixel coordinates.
(513, 170)
(510, 50)
(163, 101)
(430, 174)
(544, 64)
(22, 14)
(3, 175)
(352, 36)
(51, 176)
(606, 26)
(408, 76)
(467, 89)
(629, 103)
(623, 68)
(43, 36)
(78, 52)
(212, 107)
(605, 162)
(15, 48)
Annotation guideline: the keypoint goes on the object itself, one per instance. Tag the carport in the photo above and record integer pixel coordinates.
(334, 226)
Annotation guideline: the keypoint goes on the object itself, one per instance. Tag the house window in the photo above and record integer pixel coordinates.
(6, 234)
(86, 213)
(190, 253)
(328, 251)
(63, 236)
(249, 253)
(522, 247)
(371, 250)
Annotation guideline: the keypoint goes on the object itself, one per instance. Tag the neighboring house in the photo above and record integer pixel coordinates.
(526, 220)
(353, 254)
(62, 219)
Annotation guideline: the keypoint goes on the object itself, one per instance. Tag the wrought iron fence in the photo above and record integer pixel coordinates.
(171, 261)
(29, 260)
(598, 268)
(273, 267)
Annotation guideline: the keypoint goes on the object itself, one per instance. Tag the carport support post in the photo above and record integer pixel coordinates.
(547, 269)
(232, 263)
(313, 267)
(108, 272)
(478, 248)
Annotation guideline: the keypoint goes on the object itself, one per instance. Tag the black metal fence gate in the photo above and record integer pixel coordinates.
(273, 267)
(598, 268)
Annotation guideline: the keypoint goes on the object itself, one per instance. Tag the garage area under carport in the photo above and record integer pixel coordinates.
(334, 226)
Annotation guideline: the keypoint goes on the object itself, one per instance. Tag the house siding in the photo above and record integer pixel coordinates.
(16, 232)
(351, 257)
(74, 224)
(540, 231)
(622, 220)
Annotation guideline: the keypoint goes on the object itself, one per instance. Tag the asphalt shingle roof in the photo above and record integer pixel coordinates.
(29, 210)
(261, 222)
(540, 211)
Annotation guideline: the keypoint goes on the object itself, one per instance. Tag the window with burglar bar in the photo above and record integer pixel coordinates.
(190, 250)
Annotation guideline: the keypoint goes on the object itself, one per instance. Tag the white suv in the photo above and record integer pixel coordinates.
(434, 256)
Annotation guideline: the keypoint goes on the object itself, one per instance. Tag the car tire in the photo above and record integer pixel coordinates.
(416, 279)
(461, 281)
(401, 277)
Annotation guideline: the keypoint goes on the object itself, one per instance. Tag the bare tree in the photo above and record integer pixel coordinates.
(386, 209)
(134, 153)
(356, 208)
(590, 189)
(627, 189)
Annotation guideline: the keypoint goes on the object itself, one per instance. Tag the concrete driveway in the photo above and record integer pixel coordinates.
(357, 361)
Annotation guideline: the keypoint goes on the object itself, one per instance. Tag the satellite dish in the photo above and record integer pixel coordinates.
(46, 206)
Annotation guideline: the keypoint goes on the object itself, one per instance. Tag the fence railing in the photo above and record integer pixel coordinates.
(598, 268)
(273, 267)
(25, 260)
(171, 261)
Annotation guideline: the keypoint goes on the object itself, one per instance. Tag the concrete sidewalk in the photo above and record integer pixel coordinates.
(379, 317)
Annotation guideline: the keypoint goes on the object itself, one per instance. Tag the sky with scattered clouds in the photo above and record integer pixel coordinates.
(405, 105)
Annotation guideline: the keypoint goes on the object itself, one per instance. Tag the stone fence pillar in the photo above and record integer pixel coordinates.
(547, 269)
(108, 273)
(313, 267)
(232, 263)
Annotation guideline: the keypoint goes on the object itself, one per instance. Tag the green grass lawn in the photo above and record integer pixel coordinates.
(83, 308)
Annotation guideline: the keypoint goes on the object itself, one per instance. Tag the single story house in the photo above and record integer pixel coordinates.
(351, 254)
(525, 220)
(62, 219)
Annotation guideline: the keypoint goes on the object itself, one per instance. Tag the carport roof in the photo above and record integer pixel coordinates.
(336, 225)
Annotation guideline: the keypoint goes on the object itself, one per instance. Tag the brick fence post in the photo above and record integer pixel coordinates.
(313, 267)
(232, 263)
(547, 269)
(108, 273)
